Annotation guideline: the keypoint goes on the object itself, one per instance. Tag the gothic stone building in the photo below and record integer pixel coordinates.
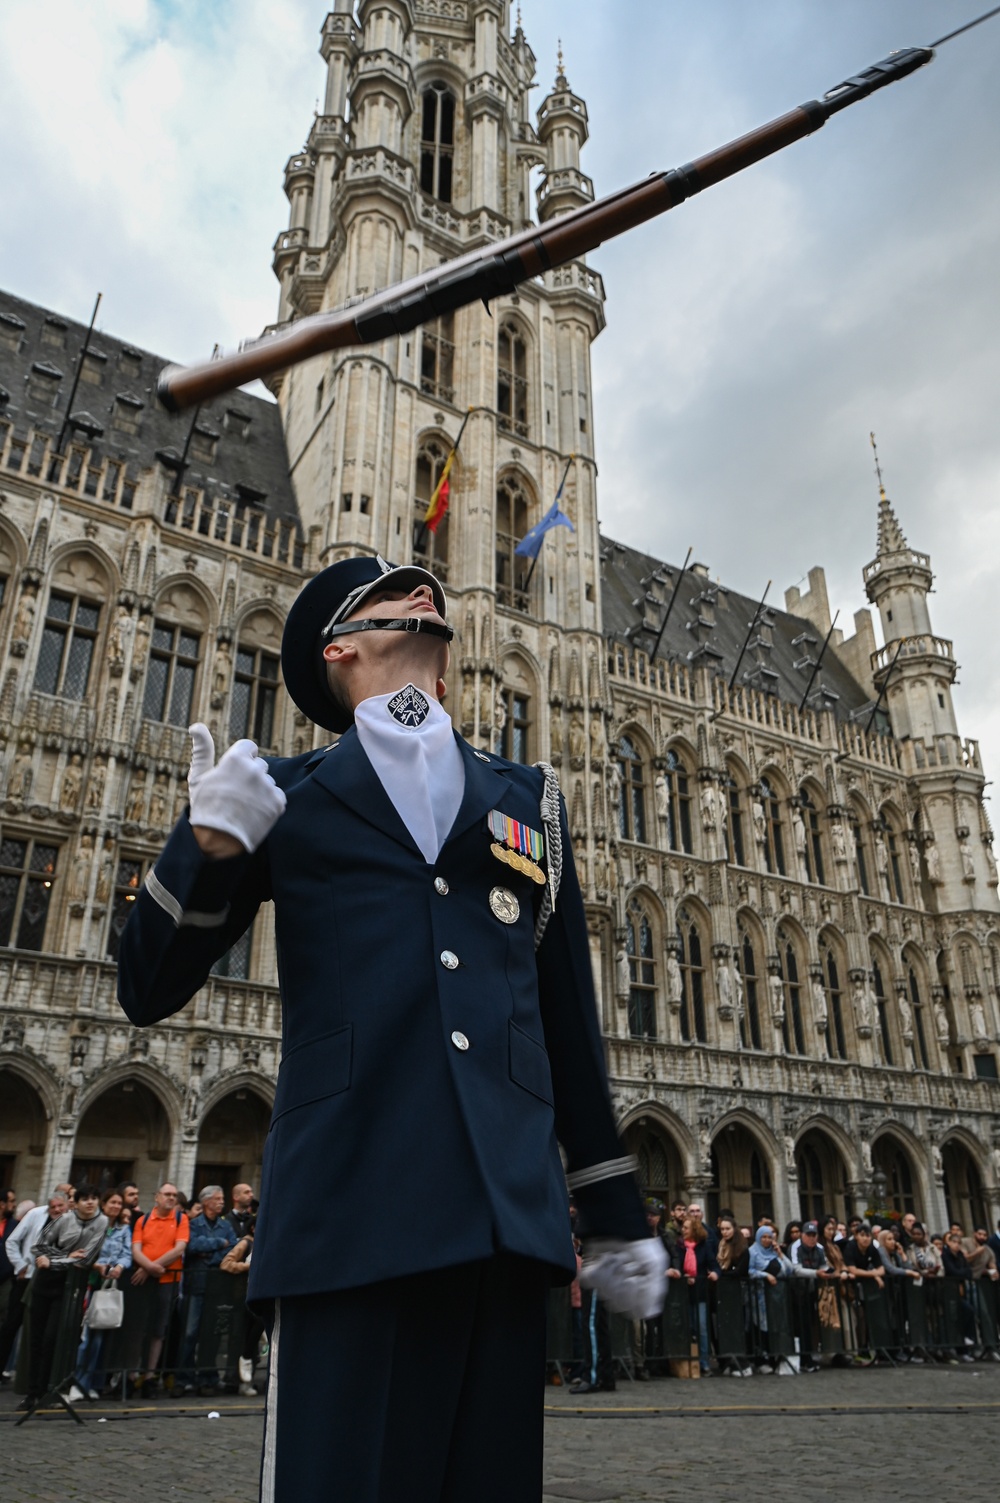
(795, 930)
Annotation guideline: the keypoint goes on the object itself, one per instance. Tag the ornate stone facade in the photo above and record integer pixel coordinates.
(789, 875)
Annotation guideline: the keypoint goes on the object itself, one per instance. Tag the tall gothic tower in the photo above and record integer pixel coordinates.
(915, 671)
(424, 150)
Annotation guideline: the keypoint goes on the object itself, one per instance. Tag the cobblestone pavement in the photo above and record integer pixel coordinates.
(771, 1439)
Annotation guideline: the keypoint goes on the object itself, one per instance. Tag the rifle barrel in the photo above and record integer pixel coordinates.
(497, 269)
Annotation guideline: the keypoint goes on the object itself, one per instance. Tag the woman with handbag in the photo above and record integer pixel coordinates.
(73, 1241)
(113, 1259)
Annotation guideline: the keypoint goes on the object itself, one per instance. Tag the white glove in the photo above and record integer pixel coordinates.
(239, 797)
(630, 1277)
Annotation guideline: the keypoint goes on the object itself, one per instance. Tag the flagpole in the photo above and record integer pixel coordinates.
(666, 618)
(541, 543)
(451, 452)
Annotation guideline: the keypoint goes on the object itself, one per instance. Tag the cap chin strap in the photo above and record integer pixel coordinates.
(412, 624)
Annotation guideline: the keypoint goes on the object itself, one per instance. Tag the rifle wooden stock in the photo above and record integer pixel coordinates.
(496, 269)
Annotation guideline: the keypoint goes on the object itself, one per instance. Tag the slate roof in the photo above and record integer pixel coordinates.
(709, 623)
(250, 461)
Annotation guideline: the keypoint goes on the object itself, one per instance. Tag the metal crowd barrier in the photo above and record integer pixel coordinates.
(753, 1323)
(203, 1336)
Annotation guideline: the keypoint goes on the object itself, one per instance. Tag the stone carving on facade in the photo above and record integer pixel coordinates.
(485, 707)
(776, 997)
(882, 862)
(83, 865)
(158, 802)
(24, 618)
(614, 787)
(820, 1008)
(933, 858)
(913, 852)
(95, 787)
(724, 989)
(598, 743)
(977, 1016)
(709, 801)
(140, 651)
(72, 1088)
(623, 981)
(738, 992)
(72, 782)
(136, 798)
(941, 1025)
(838, 842)
(221, 672)
(19, 781)
(467, 709)
(555, 736)
(117, 641)
(192, 1099)
(577, 743)
(759, 823)
(675, 984)
(968, 863)
(661, 797)
(905, 1012)
(799, 837)
(862, 1003)
(993, 877)
(601, 869)
(105, 872)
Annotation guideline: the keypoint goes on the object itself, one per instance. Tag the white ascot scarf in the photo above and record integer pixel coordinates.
(408, 738)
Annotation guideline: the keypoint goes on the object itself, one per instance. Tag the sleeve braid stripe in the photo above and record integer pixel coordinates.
(610, 1169)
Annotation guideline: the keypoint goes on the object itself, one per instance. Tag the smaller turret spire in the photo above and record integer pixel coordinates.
(561, 80)
(891, 538)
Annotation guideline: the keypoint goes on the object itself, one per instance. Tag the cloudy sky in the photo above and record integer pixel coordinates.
(754, 336)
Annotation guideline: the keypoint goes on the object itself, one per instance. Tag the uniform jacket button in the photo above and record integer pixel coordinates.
(449, 960)
(440, 886)
(459, 1040)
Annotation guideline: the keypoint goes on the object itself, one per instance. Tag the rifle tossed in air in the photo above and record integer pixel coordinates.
(499, 268)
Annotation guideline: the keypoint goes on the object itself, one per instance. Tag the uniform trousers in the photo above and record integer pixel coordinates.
(422, 1389)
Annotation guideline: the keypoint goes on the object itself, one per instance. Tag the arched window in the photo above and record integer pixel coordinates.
(760, 1188)
(692, 978)
(437, 358)
(882, 1013)
(632, 810)
(836, 1035)
(774, 844)
(67, 647)
(919, 1026)
(430, 549)
(809, 815)
(255, 695)
(811, 1189)
(642, 974)
(750, 1022)
(437, 141)
(512, 523)
(733, 825)
(512, 380)
(792, 1028)
(678, 804)
(893, 1166)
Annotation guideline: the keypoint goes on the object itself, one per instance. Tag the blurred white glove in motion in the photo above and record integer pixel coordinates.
(630, 1277)
(239, 797)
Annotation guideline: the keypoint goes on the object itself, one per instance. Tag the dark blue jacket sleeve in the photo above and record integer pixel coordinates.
(188, 914)
(598, 1170)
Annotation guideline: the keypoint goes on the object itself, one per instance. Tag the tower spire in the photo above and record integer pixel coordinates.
(891, 538)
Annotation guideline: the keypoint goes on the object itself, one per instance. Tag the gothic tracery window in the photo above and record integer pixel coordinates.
(437, 358)
(513, 508)
(678, 803)
(735, 842)
(809, 815)
(919, 1026)
(882, 1013)
(437, 141)
(792, 1028)
(512, 380)
(774, 842)
(642, 973)
(836, 1033)
(430, 549)
(692, 1019)
(750, 1032)
(632, 809)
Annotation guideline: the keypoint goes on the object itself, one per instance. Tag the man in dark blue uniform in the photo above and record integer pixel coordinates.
(439, 1036)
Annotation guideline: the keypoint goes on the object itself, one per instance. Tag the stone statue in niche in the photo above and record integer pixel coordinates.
(738, 987)
(95, 787)
(82, 866)
(977, 1014)
(117, 638)
(192, 1098)
(73, 1087)
(821, 1016)
(24, 617)
(614, 788)
(661, 796)
(105, 872)
(19, 782)
(709, 806)
(933, 858)
(468, 708)
(905, 1014)
(862, 1002)
(143, 631)
(221, 673)
(759, 822)
(724, 988)
(799, 833)
(136, 797)
(499, 711)
(555, 734)
(158, 801)
(623, 980)
(968, 864)
(597, 741)
(72, 781)
(991, 865)
(601, 869)
(838, 843)
(776, 993)
(577, 743)
(913, 852)
(675, 985)
(485, 708)
(941, 1025)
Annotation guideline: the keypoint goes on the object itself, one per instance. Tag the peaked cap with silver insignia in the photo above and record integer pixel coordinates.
(318, 613)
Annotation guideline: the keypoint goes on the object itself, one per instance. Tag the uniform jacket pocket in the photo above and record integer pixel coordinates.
(314, 1070)
(529, 1065)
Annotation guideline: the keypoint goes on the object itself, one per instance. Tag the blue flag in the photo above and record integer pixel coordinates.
(530, 545)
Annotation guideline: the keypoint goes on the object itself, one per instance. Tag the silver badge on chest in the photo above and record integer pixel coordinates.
(409, 707)
(504, 905)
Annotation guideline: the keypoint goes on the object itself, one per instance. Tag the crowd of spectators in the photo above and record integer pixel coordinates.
(161, 1259)
(828, 1264)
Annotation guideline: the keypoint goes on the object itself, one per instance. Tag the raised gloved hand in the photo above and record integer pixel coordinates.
(629, 1277)
(239, 797)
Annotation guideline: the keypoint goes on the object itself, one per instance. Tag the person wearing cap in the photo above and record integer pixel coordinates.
(810, 1263)
(439, 1033)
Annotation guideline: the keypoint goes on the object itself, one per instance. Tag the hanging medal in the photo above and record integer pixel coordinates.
(517, 845)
